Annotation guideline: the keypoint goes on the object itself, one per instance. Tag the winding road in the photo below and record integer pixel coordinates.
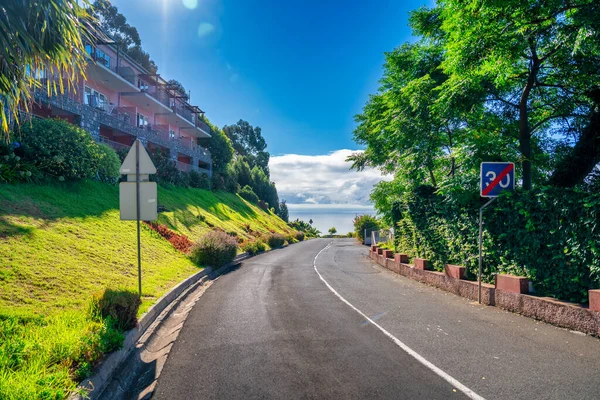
(319, 320)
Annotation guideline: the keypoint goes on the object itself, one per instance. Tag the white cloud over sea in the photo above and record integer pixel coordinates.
(322, 179)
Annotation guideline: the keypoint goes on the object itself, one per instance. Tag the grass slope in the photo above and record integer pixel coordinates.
(60, 244)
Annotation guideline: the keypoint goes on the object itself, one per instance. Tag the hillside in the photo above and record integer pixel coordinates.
(60, 244)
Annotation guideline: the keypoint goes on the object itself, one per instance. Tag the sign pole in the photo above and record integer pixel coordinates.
(481, 244)
(137, 200)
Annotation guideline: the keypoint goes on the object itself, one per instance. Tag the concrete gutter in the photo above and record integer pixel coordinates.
(93, 387)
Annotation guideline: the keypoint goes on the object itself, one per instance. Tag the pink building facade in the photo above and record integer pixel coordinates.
(119, 102)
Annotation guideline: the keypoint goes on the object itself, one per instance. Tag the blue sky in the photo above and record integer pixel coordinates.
(298, 69)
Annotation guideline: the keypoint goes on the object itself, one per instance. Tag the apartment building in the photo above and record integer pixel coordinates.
(119, 102)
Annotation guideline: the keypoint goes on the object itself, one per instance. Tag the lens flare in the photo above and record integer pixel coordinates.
(191, 4)
(205, 29)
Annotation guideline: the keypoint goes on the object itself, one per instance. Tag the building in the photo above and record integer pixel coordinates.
(119, 102)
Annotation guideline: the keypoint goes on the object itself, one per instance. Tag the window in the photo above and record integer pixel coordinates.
(142, 121)
(94, 98)
(142, 85)
(102, 58)
(171, 134)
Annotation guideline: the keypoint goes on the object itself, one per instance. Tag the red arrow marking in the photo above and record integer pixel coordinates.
(496, 181)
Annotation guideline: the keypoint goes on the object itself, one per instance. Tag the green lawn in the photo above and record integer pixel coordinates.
(60, 244)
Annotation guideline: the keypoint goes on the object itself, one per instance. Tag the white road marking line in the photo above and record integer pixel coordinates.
(468, 392)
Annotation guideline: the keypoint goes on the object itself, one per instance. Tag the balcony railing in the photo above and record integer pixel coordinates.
(184, 112)
(107, 62)
(204, 126)
(159, 95)
(113, 144)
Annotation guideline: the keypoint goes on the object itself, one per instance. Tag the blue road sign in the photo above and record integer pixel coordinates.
(497, 177)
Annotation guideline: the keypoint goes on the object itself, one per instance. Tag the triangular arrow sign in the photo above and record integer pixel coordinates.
(146, 165)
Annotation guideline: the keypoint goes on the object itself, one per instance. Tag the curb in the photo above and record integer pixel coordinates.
(97, 383)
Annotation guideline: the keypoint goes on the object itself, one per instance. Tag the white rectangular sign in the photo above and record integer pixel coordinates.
(148, 201)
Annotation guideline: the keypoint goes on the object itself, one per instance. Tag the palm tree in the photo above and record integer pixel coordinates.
(37, 38)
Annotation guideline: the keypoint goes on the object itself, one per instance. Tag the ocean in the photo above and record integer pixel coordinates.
(326, 216)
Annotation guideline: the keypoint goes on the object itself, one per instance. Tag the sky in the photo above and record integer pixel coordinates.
(300, 70)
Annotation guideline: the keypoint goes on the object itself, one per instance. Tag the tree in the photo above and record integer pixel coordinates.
(41, 38)
(249, 142)
(283, 211)
(243, 172)
(531, 62)
(178, 87)
(126, 36)
(332, 231)
(220, 149)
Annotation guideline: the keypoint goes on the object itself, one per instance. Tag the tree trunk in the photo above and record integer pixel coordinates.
(584, 156)
(524, 134)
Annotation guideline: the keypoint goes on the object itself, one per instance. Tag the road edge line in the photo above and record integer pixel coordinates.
(439, 372)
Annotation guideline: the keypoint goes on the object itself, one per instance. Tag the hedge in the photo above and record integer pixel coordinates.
(550, 235)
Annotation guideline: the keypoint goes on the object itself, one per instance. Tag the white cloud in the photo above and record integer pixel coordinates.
(322, 179)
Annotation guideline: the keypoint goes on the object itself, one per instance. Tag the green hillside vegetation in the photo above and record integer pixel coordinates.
(62, 243)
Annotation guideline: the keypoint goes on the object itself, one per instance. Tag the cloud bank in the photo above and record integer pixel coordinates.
(322, 179)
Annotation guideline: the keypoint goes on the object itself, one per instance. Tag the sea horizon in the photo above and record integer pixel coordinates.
(325, 216)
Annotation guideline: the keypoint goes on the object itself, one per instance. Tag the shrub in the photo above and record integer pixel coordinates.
(119, 305)
(14, 169)
(254, 246)
(108, 165)
(166, 169)
(214, 249)
(546, 234)
(200, 181)
(61, 150)
(362, 222)
(248, 194)
(180, 242)
(275, 240)
(264, 206)
(299, 236)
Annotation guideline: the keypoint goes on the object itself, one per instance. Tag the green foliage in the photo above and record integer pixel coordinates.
(546, 234)
(275, 240)
(362, 222)
(119, 305)
(166, 168)
(254, 247)
(242, 171)
(199, 181)
(45, 36)
(14, 169)
(59, 150)
(299, 236)
(306, 228)
(248, 194)
(108, 165)
(332, 231)
(249, 142)
(283, 211)
(221, 151)
(214, 249)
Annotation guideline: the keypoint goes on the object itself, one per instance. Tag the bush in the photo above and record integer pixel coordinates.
(119, 305)
(180, 242)
(214, 249)
(275, 240)
(299, 236)
(166, 169)
(63, 151)
(546, 234)
(108, 165)
(264, 206)
(254, 247)
(200, 181)
(362, 222)
(248, 194)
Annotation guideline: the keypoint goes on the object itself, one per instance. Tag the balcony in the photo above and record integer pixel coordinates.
(105, 69)
(182, 166)
(203, 126)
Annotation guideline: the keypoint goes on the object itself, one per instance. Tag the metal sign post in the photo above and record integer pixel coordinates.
(496, 177)
(481, 245)
(137, 206)
(137, 196)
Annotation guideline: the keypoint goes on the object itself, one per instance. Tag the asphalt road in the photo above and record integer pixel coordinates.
(287, 326)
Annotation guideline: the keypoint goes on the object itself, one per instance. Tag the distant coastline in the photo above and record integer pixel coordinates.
(325, 216)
